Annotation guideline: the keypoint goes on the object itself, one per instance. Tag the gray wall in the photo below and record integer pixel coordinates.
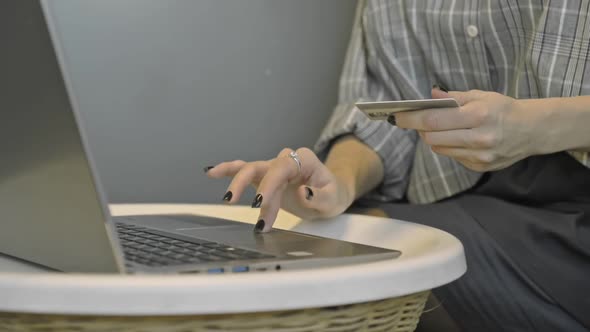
(168, 87)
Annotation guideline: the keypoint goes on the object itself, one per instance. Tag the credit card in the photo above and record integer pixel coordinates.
(381, 110)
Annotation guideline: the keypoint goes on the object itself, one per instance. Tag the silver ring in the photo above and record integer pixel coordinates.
(295, 157)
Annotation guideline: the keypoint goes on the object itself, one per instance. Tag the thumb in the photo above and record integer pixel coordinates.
(439, 94)
(464, 97)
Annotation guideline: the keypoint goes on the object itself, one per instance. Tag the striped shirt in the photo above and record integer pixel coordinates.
(400, 48)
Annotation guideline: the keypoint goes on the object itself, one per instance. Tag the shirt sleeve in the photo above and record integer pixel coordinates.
(395, 146)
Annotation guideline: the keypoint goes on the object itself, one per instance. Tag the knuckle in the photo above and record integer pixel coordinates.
(305, 151)
(478, 93)
(237, 163)
(276, 162)
(281, 162)
(479, 140)
(481, 115)
(488, 140)
(485, 158)
(284, 152)
(247, 168)
(432, 121)
(495, 94)
(309, 160)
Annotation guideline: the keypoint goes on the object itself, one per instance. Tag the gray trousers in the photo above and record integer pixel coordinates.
(526, 234)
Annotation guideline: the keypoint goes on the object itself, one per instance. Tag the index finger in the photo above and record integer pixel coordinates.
(438, 119)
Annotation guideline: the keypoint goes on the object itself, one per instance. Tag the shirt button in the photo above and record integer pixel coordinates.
(472, 31)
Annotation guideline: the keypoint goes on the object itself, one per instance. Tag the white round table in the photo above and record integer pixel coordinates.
(430, 258)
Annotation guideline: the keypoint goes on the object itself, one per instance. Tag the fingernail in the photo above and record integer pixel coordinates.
(228, 195)
(257, 201)
(440, 87)
(391, 119)
(259, 226)
(206, 169)
(309, 194)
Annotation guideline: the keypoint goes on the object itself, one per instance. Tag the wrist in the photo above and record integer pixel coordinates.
(535, 117)
(357, 168)
(346, 182)
(557, 124)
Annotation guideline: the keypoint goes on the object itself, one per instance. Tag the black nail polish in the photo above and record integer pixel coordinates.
(309, 194)
(228, 195)
(391, 119)
(440, 87)
(259, 226)
(257, 201)
(206, 169)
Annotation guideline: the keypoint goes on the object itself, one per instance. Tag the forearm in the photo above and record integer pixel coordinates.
(356, 165)
(563, 123)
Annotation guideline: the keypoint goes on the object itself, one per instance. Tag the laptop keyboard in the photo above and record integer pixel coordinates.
(156, 248)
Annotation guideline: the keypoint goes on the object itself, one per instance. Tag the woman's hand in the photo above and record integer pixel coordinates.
(489, 131)
(312, 192)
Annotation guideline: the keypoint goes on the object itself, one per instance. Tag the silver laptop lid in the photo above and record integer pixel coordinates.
(51, 208)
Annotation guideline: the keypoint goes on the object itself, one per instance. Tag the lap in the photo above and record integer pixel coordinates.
(495, 294)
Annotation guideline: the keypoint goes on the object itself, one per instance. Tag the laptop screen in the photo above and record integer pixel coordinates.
(50, 207)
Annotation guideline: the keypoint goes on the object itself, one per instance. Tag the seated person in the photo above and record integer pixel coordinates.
(507, 172)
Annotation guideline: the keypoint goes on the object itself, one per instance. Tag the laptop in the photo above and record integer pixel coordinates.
(53, 211)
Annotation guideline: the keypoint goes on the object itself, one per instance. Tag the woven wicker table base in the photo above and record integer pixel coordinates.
(398, 314)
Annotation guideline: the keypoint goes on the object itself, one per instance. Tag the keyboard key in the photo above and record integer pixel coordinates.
(149, 236)
(168, 241)
(172, 262)
(215, 258)
(212, 245)
(185, 251)
(179, 250)
(226, 256)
